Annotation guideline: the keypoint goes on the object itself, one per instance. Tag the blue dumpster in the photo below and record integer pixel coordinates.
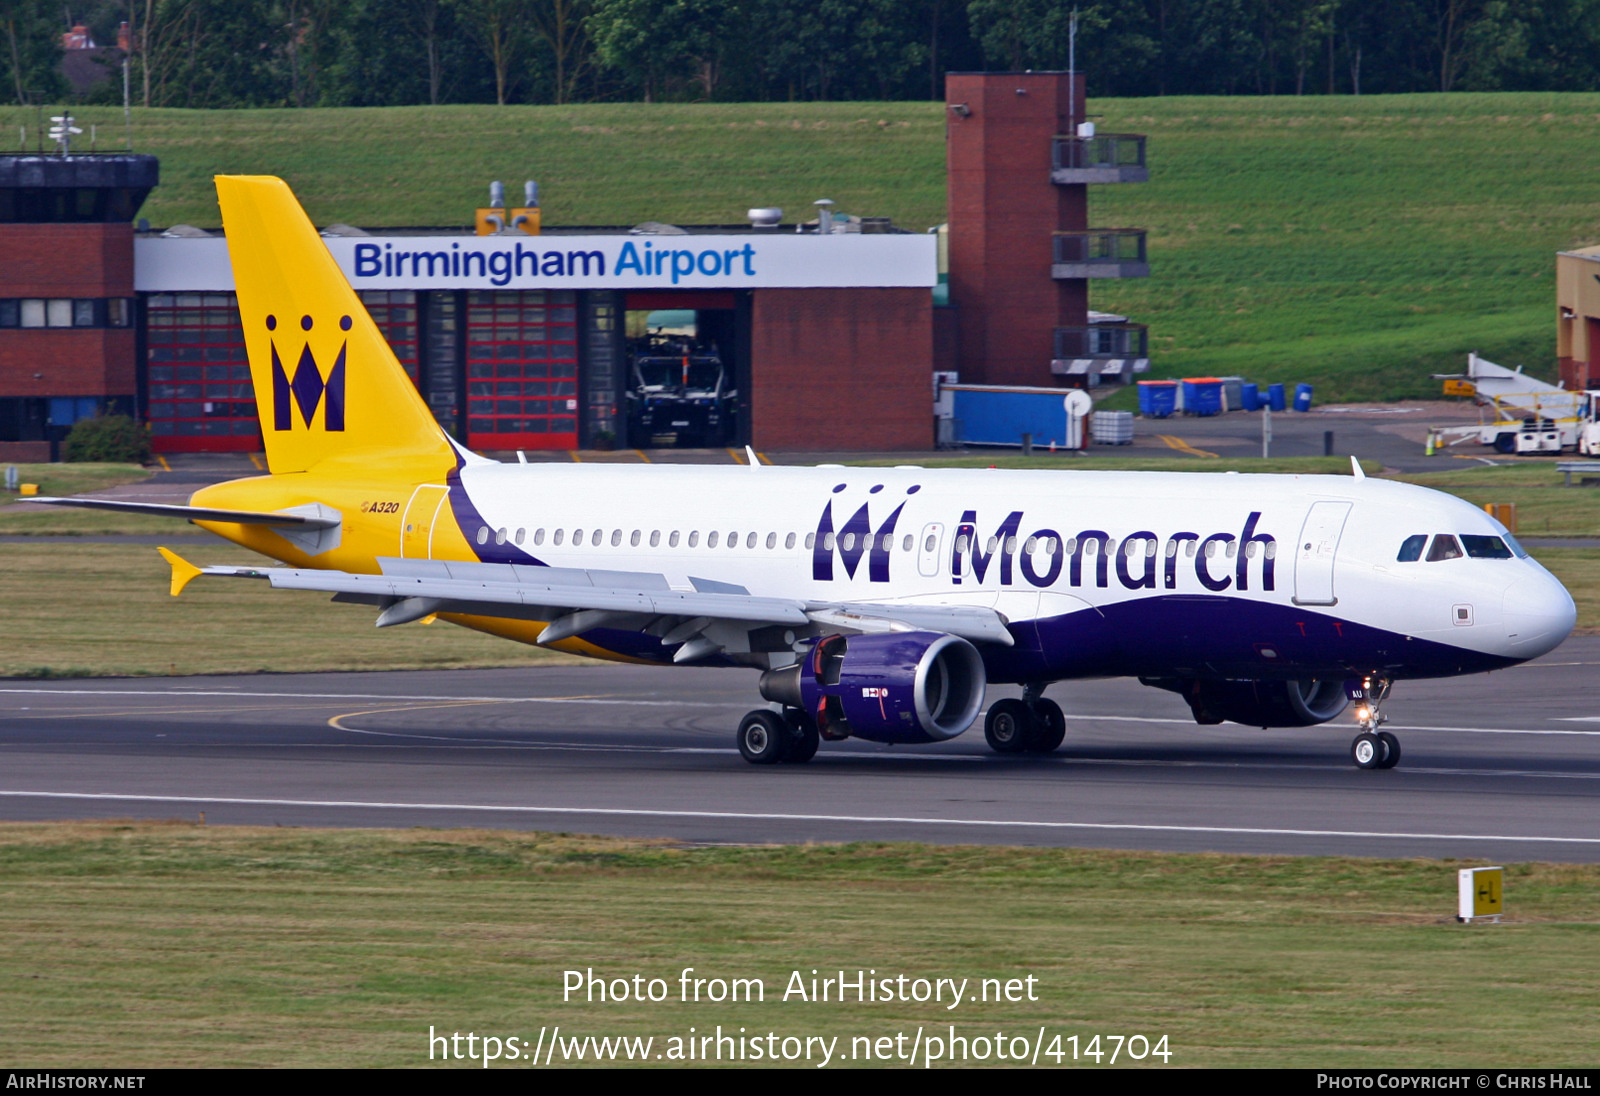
(1302, 397)
(1275, 397)
(1202, 396)
(1158, 399)
(998, 415)
(1250, 397)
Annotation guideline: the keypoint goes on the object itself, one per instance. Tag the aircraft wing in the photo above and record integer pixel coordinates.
(574, 601)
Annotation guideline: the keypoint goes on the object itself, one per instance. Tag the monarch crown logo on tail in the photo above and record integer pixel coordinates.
(307, 386)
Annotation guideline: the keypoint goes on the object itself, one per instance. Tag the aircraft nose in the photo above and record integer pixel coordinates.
(1539, 614)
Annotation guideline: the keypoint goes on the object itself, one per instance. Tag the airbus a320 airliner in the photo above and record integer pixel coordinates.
(876, 603)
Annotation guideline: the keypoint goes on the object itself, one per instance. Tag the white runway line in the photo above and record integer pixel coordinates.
(755, 816)
(728, 705)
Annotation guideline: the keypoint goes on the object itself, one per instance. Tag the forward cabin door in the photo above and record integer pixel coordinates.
(1313, 561)
(416, 532)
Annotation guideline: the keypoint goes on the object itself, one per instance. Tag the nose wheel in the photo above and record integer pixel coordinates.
(1372, 748)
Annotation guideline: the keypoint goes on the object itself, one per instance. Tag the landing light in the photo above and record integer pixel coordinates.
(1363, 714)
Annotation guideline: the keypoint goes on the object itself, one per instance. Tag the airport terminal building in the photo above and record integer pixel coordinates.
(519, 342)
(822, 335)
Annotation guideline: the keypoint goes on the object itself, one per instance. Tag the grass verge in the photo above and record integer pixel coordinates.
(136, 945)
(74, 479)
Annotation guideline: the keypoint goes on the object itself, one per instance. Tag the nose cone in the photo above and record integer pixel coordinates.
(1539, 614)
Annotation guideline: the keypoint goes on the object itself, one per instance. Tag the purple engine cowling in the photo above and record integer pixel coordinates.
(886, 687)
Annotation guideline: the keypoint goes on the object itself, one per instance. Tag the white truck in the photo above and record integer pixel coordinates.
(1530, 416)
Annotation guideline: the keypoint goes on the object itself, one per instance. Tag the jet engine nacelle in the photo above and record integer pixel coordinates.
(1270, 703)
(886, 687)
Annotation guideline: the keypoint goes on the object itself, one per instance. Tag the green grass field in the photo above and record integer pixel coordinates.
(1355, 243)
(181, 945)
(76, 610)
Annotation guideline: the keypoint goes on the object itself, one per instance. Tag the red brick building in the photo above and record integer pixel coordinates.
(67, 302)
(1022, 252)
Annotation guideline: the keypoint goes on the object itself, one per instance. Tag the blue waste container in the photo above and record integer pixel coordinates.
(1250, 397)
(1275, 397)
(1302, 397)
(1202, 396)
(1158, 399)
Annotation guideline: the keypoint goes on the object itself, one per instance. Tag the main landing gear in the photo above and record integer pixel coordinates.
(1030, 725)
(767, 738)
(1372, 748)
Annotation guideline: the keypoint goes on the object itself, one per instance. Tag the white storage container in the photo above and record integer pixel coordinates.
(1112, 428)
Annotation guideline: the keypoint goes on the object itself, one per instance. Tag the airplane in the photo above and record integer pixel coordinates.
(876, 603)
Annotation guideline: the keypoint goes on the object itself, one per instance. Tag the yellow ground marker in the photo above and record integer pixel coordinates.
(255, 459)
(643, 456)
(165, 467)
(1174, 442)
(575, 458)
(737, 459)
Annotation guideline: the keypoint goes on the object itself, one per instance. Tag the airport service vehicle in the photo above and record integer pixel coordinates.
(680, 394)
(1530, 415)
(873, 602)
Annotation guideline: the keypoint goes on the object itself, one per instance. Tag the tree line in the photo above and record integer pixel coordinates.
(298, 53)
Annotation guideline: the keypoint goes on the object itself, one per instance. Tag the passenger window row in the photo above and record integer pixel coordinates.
(637, 538)
(1448, 546)
(1133, 546)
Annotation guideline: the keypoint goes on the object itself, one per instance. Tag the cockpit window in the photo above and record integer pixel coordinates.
(1444, 547)
(1519, 550)
(1479, 547)
(1411, 550)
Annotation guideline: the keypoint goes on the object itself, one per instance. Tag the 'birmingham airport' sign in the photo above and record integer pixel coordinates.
(706, 261)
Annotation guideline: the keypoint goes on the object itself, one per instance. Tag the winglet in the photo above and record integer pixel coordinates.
(1355, 468)
(183, 572)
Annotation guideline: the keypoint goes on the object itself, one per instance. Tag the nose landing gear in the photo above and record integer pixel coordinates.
(1372, 748)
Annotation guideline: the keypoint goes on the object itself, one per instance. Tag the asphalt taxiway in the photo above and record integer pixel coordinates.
(1504, 766)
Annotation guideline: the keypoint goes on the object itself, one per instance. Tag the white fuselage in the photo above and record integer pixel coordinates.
(1136, 554)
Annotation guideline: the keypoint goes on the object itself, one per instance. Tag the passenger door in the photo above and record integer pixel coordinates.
(1314, 553)
(416, 532)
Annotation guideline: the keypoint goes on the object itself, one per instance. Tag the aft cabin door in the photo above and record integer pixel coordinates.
(416, 536)
(1313, 561)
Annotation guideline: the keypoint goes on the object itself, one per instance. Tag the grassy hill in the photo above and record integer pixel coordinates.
(1356, 243)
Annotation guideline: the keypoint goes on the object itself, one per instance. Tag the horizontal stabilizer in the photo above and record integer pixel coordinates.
(183, 572)
(199, 513)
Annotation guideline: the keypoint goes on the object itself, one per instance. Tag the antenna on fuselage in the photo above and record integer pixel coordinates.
(1355, 468)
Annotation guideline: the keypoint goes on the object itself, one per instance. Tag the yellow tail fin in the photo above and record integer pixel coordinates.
(327, 384)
